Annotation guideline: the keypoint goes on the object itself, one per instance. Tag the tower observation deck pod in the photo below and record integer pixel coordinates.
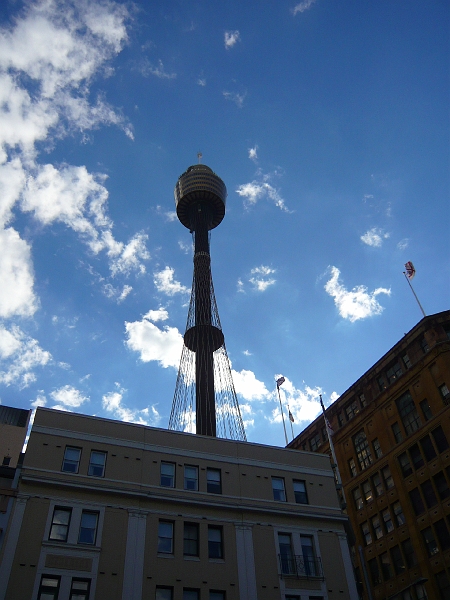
(204, 378)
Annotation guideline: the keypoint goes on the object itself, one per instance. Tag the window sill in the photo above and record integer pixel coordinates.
(66, 545)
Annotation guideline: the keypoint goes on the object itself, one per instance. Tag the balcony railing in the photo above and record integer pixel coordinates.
(301, 567)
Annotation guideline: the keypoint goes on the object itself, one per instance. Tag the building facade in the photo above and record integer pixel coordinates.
(113, 510)
(391, 439)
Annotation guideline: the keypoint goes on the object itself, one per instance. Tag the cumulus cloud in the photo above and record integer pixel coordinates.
(112, 403)
(261, 278)
(374, 237)
(231, 38)
(68, 397)
(236, 97)
(152, 343)
(247, 386)
(20, 355)
(166, 284)
(253, 153)
(160, 314)
(41, 400)
(357, 303)
(303, 403)
(302, 6)
(256, 190)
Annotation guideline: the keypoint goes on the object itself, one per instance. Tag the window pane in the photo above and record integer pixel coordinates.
(362, 450)
(386, 567)
(80, 589)
(427, 448)
(426, 410)
(410, 555)
(278, 489)
(60, 524)
(191, 595)
(388, 524)
(71, 459)
(88, 527)
(287, 563)
(165, 537)
(405, 464)
(366, 533)
(416, 501)
(408, 413)
(430, 542)
(357, 498)
(397, 432)
(190, 539)
(397, 560)
(97, 464)
(442, 534)
(439, 439)
(213, 481)
(308, 555)
(191, 478)
(374, 571)
(376, 525)
(398, 513)
(216, 595)
(352, 467)
(441, 485)
(428, 493)
(377, 448)
(388, 481)
(300, 492)
(167, 478)
(443, 584)
(416, 457)
(215, 549)
(164, 593)
(376, 480)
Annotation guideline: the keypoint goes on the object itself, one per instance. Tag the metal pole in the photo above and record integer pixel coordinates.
(282, 415)
(415, 295)
(333, 454)
(292, 427)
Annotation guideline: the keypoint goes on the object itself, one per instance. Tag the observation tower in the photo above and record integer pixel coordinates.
(204, 392)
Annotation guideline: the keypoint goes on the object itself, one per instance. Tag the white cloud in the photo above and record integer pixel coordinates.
(162, 345)
(231, 38)
(247, 352)
(302, 6)
(160, 314)
(112, 402)
(165, 283)
(254, 191)
(41, 400)
(357, 303)
(374, 237)
(236, 97)
(334, 396)
(403, 244)
(240, 286)
(303, 403)
(201, 81)
(20, 355)
(261, 279)
(129, 257)
(247, 386)
(186, 248)
(116, 294)
(68, 397)
(253, 153)
(147, 68)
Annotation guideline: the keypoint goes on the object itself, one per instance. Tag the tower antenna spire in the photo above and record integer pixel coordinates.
(199, 157)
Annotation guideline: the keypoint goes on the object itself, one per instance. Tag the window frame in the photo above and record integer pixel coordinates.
(189, 540)
(94, 529)
(213, 486)
(362, 449)
(387, 519)
(163, 588)
(286, 554)
(376, 526)
(167, 479)
(409, 553)
(187, 479)
(93, 466)
(64, 509)
(279, 493)
(162, 538)
(215, 547)
(67, 461)
(300, 495)
(74, 592)
(399, 520)
(408, 412)
(417, 502)
(51, 589)
(357, 498)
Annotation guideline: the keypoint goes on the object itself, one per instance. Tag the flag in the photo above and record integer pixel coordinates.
(280, 381)
(410, 270)
(291, 417)
(328, 424)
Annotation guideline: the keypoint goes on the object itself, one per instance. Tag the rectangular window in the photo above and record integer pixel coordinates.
(427, 448)
(439, 439)
(405, 464)
(408, 413)
(191, 594)
(426, 410)
(279, 492)
(429, 541)
(381, 383)
(442, 534)
(386, 567)
(216, 595)
(376, 525)
(165, 537)
(397, 432)
(443, 584)
(376, 481)
(49, 587)
(215, 542)
(424, 345)
(409, 554)
(97, 464)
(190, 539)
(367, 491)
(79, 590)
(71, 460)
(397, 560)
(357, 498)
(394, 372)
(190, 478)
(300, 494)
(445, 393)
(306, 542)
(406, 361)
(416, 457)
(315, 442)
(352, 468)
(352, 409)
(374, 571)
(377, 448)
(366, 533)
(287, 562)
(163, 593)
(416, 501)
(213, 481)
(340, 419)
(59, 529)
(428, 493)
(362, 400)
(441, 485)
(167, 475)
(88, 527)
(362, 450)
(398, 514)
(387, 477)
(387, 520)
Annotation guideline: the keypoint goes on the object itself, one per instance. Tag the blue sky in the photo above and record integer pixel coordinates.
(328, 122)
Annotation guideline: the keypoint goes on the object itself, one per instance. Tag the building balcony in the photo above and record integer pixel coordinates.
(300, 567)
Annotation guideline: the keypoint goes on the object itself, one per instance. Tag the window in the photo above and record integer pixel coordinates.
(366, 533)
(441, 485)
(362, 450)
(213, 481)
(409, 554)
(97, 464)
(340, 419)
(386, 567)
(315, 442)
(164, 593)
(443, 535)
(374, 571)
(71, 460)
(398, 514)
(388, 524)
(416, 457)
(351, 409)
(376, 481)
(279, 493)
(352, 467)
(49, 587)
(308, 555)
(367, 491)
(189, 594)
(377, 527)
(167, 476)
(406, 361)
(381, 383)
(300, 494)
(59, 529)
(215, 543)
(377, 448)
(430, 542)
(324, 434)
(394, 372)
(443, 585)
(408, 413)
(6, 461)
(287, 562)
(165, 537)
(387, 477)
(426, 410)
(405, 465)
(439, 439)
(445, 393)
(363, 400)
(397, 560)
(397, 432)
(216, 595)
(428, 493)
(416, 501)
(79, 590)
(357, 498)
(88, 527)
(428, 448)
(190, 478)
(424, 345)
(190, 539)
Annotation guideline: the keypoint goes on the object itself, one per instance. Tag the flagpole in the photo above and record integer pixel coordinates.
(333, 454)
(282, 415)
(292, 427)
(415, 295)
